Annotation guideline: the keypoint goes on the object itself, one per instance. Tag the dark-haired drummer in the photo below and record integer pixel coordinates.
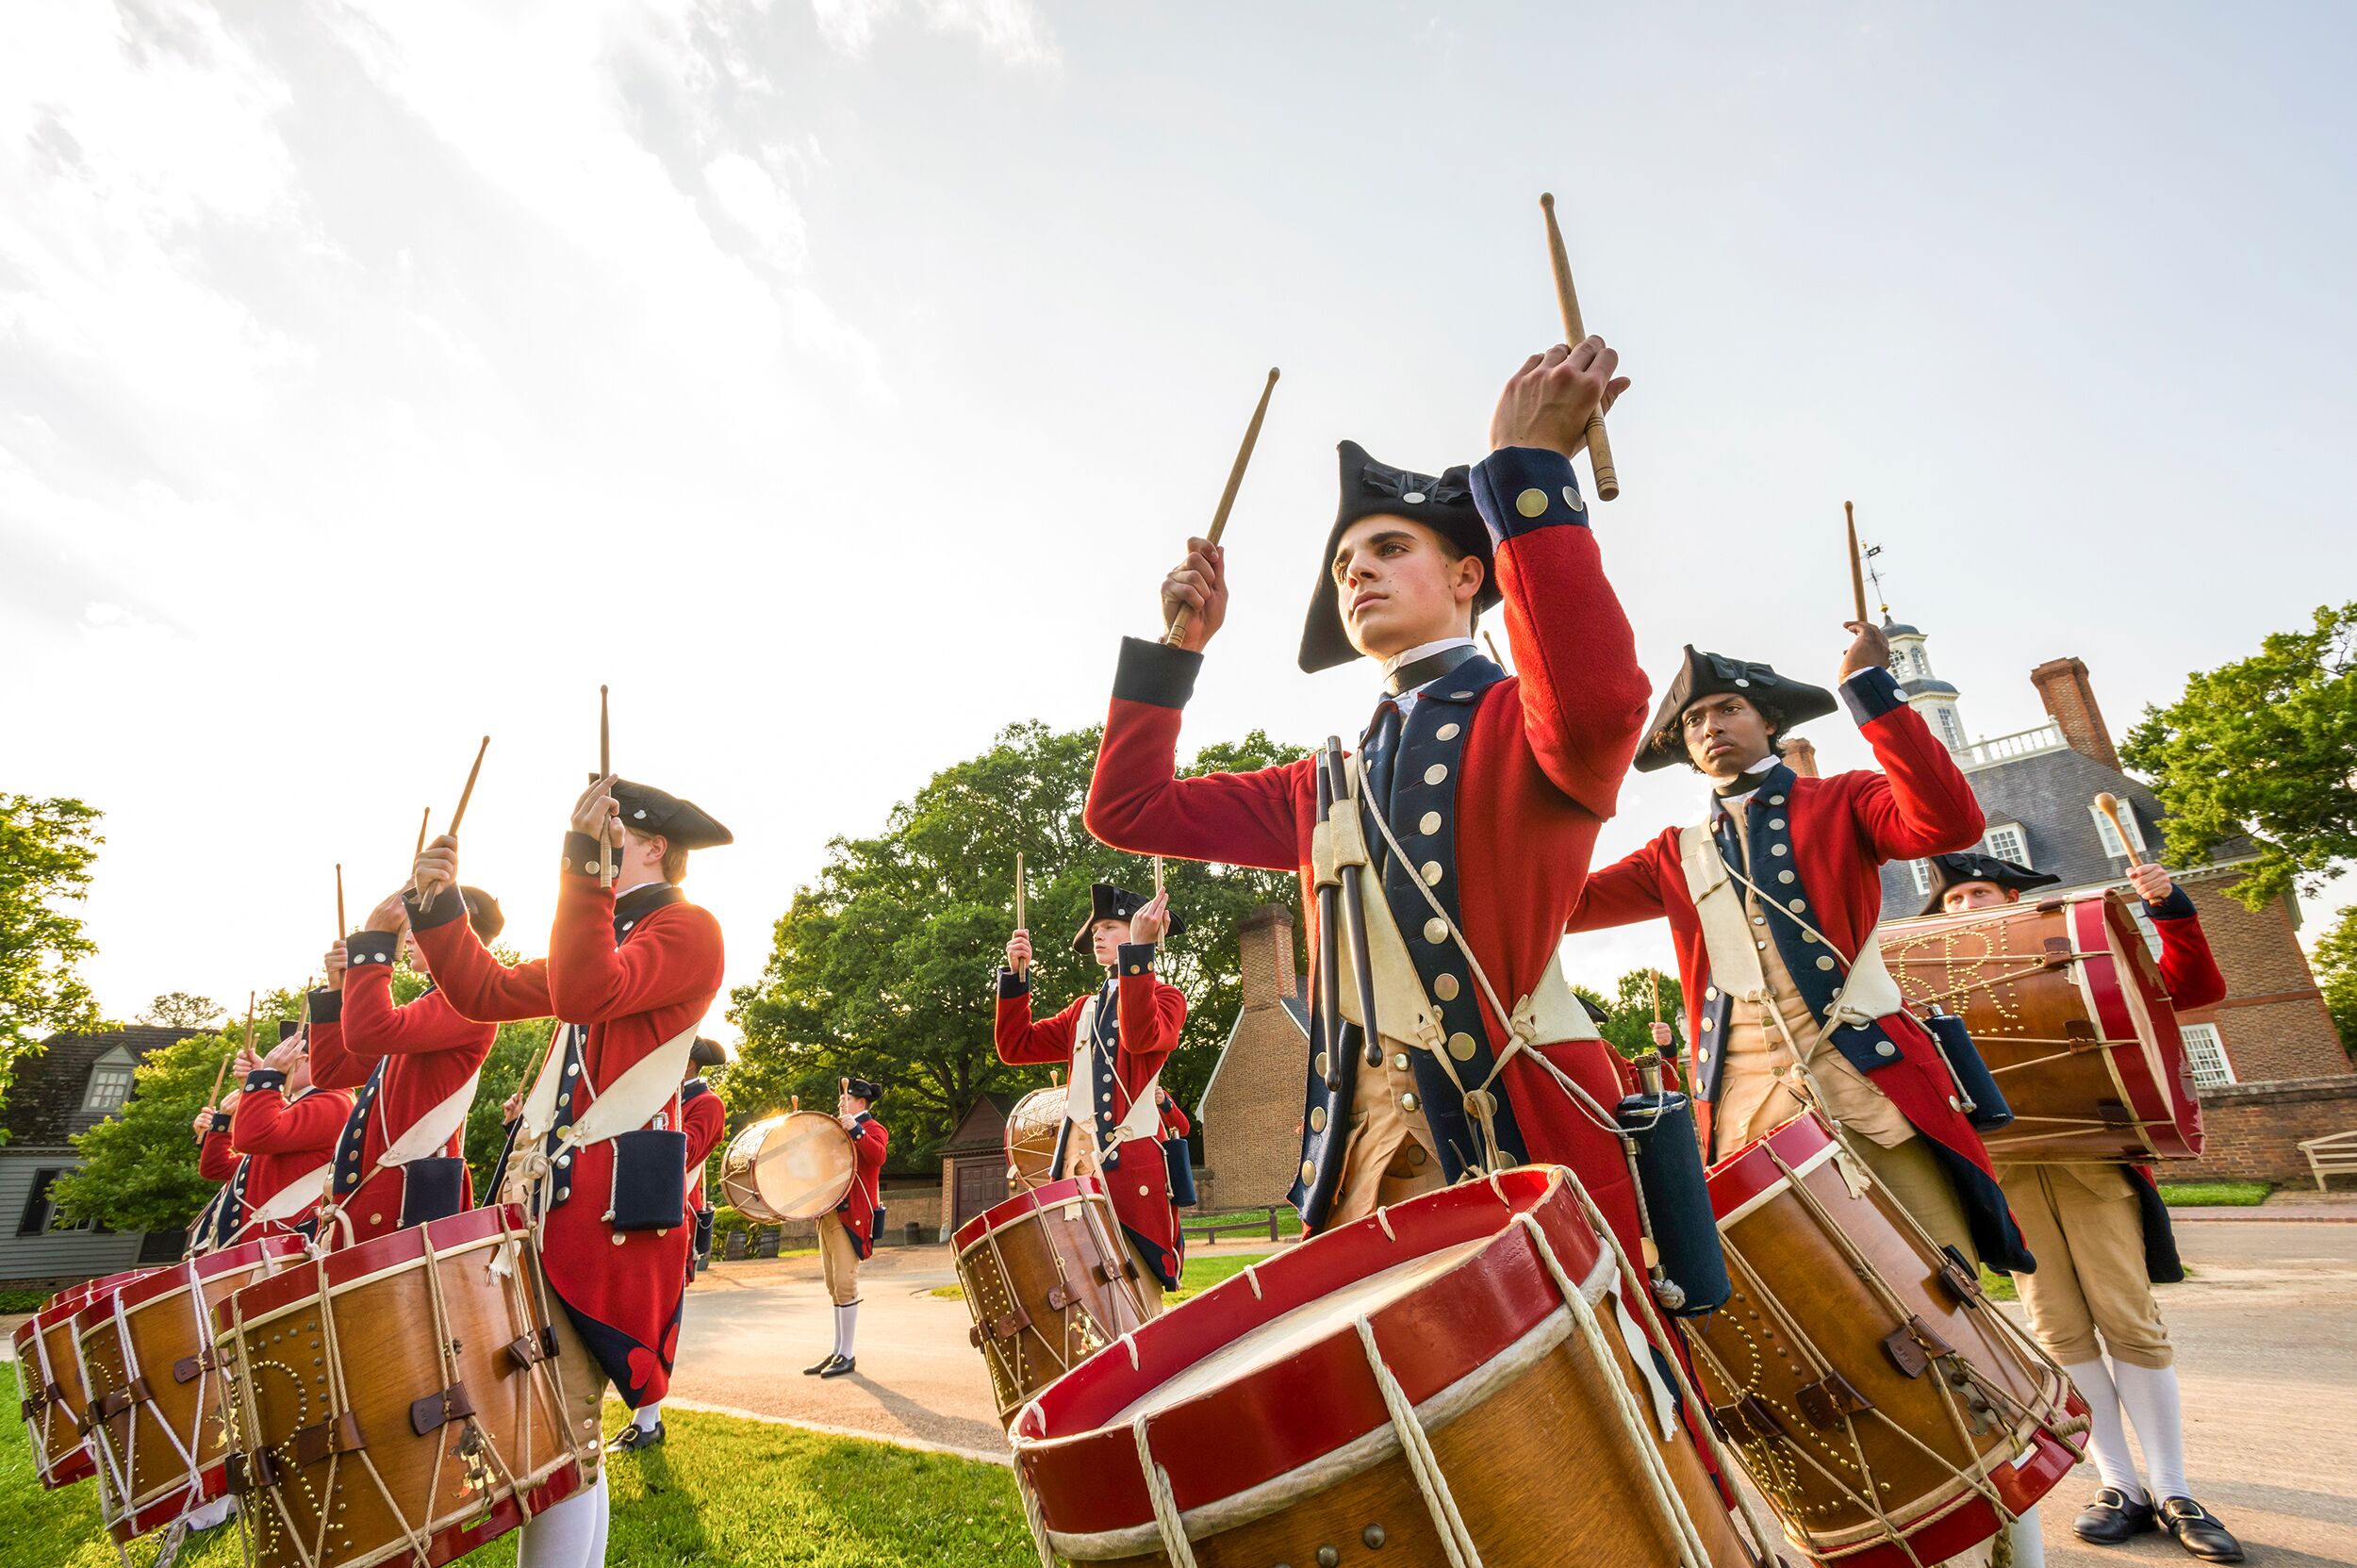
(2103, 1240)
(401, 1159)
(631, 972)
(270, 1148)
(1115, 1040)
(848, 1233)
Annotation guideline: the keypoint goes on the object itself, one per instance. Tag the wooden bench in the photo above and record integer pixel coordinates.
(1208, 1227)
(2334, 1154)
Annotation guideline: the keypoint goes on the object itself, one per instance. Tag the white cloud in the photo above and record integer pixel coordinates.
(760, 205)
(1011, 31)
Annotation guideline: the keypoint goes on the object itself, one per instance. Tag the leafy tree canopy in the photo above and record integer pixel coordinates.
(885, 967)
(2336, 971)
(179, 1010)
(1625, 1021)
(2265, 747)
(46, 850)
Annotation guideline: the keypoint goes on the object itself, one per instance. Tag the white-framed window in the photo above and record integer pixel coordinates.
(2111, 840)
(110, 1085)
(1951, 729)
(41, 1216)
(2206, 1053)
(2008, 841)
(1921, 871)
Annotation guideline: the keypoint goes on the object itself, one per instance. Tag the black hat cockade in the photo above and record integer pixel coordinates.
(707, 1053)
(647, 811)
(1714, 675)
(864, 1088)
(1108, 902)
(1948, 871)
(483, 913)
(1442, 502)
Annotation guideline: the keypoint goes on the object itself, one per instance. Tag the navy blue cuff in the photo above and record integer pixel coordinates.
(327, 1007)
(220, 1123)
(1871, 693)
(448, 905)
(2177, 906)
(265, 1078)
(1155, 672)
(1013, 984)
(371, 947)
(1134, 958)
(584, 855)
(1521, 490)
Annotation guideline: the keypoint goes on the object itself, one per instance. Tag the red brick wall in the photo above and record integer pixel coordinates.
(2063, 686)
(2254, 1130)
(2273, 1023)
(1252, 1115)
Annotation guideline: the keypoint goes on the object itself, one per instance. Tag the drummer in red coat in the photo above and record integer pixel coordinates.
(401, 1159)
(702, 1118)
(2103, 1240)
(282, 1135)
(632, 970)
(848, 1234)
(1115, 1040)
(1493, 786)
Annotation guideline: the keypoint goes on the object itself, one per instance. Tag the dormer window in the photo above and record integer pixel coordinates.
(109, 1084)
(2008, 841)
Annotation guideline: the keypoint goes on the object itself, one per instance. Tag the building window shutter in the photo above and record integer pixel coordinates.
(35, 1220)
(2008, 841)
(2206, 1053)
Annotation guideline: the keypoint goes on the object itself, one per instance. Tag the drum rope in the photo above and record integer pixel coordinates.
(1423, 1464)
(110, 1467)
(340, 1404)
(543, 1379)
(1663, 1489)
(1033, 1517)
(1167, 1524)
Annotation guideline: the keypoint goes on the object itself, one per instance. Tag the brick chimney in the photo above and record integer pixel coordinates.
(2062, 685)
(1264, 941)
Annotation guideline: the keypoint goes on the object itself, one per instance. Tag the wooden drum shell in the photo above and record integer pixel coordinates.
(2064, 1004)
(1030, 1137)
(1049, 1282)
(1801, 1311)
(273, 1340)
(57, 1417)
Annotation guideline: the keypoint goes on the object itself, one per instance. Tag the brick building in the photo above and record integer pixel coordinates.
(2268, 1061)
(1251, 1108)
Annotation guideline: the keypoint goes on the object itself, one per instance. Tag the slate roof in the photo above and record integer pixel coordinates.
(44, 1104)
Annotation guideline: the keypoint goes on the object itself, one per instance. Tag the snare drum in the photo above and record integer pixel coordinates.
(2066, 1005)
(155, 1400)
(51, 1395)
(1049, 1282)
(1031, 1129)
(396, 1400)
(1449, 1379)
(1888, 1412)
(793, 1167)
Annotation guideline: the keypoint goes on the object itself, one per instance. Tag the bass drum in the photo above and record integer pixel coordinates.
(793, 1167)
(1031, 1128)
(2065, 1006)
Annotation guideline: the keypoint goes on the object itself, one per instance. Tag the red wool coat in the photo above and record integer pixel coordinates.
(279, 1140)
(1541, 770)
(426, 1052)
(636, 972)
(703, 1118)
(1839, 830)
(1149, 1015)
(862, 1207)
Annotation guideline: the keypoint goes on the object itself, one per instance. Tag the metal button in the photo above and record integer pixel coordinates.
(1428, 822)
(1447, 732)
(1435, 929)
(1824, 962)
(1435, 774)
(1317, 1118)
(1775, 822)
(1413, 497)
(1308, 1171)
(1462, 1046)
(1446, 988)
(1531, 503)
(1461, 695)
(1778, 849)
(1408, 1103)
(1325, 1064)
(1762, 946)
(1799, 904)
(1571, 499)
(1783, 876)
(1775, 799)
(1399, 1063)
(1883, 1048)
(1711, 993)
(1415, 1154)
(1759, 919)
(1710, 1023)
(1432, 872)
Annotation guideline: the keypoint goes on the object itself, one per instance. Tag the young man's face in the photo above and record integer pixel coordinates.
(1398, 587)
(640, 860)
(1977, 894)
(412, 955)
(1105, 940)
(848, 1104)
(1724, 735)
(298, 1074)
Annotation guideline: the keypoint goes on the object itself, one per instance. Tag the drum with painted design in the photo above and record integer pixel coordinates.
(1049, 1282)
(2065, 1003)
(1889, 1413)
(795, 1166)
(1449, 1381)
(397, 1400)
(1031, 1129)
(156, 1426)
(50, 1394)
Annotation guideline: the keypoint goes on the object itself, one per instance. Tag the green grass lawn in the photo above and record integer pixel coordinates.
(721, 1489)
(1202, 1272)
(2214, 1194)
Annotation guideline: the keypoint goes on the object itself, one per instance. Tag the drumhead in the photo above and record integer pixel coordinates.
(1030, 1138)
(804, 1165)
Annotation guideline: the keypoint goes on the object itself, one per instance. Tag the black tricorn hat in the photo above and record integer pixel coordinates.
(707, 1053)
(1714, 674)
(864, 1088)
(1108, 902)
(646, 810)
(483, 913)
(1443, 504)
(1955, 871)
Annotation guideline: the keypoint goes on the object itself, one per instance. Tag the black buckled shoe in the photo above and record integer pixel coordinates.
(633, 1438)
(2198, 1531)
(820, 1370)
(2112, 1519)
(840, 1367)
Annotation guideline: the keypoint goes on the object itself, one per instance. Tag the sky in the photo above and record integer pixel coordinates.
(835, 379)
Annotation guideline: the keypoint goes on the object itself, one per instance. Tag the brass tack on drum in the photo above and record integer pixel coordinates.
(1373, 1535)
(1329, 1556)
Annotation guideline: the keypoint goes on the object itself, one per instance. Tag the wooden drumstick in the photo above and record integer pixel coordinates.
(606, 769)
(467, 794)
(1227, 497)
(1158, 876)
(1567, 299)
(1495, 657)
(342, 931)
(1653, 984)
(1857, 569)
(2108, 803)
(1020, 924)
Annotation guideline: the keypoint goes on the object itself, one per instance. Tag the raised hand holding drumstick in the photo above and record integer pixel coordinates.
(1547, 402)
(1194, 595)
(598, 815)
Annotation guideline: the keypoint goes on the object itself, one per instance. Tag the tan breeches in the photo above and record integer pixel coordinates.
(838, 1261)
(1914, 1176)
(1390, 1157)
(2090, 1278)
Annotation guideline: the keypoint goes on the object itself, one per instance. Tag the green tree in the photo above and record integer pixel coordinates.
(2265, 747)
(2336, 960)
(884, 965)
(1626, 1020)
(46, 850)
(179, 1010)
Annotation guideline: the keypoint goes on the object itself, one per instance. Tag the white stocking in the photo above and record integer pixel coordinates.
(644, 1417)
(847, 1329)
(2029, 1547)
(2150, 1395)
(564, 1535)
(605, 1511)
(2107, 1438)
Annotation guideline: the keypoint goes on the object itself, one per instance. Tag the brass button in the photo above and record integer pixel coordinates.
(1462, 1046)
(1824, 962)
(1308, 1171)
(1531, 503)
(1415, 1154)
(1399, 1063)
(1711, 993)
(1783, 876)
(1428, 822)
(1447, 732)
(1408, 1103)
(1325, 1065)
(1446, 988)
(1435, 929)
(1778, 849)
(1710, 1023)
(1432, 873)
(1435, 774)
(1317, 1118)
